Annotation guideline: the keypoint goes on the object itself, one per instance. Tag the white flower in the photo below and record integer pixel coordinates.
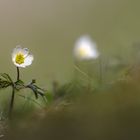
(21, 57)
(85, 49)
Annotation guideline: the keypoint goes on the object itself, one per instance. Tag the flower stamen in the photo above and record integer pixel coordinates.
(82, 52)
(19, 58)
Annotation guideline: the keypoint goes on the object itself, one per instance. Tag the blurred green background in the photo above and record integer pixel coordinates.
(49, 28)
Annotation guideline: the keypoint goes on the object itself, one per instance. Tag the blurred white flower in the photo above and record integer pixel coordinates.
(85, 49)
(21, 57)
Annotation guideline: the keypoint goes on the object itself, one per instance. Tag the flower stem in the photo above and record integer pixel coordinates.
(100, 71)
(18, 74)
(13, 94)
(12, 101)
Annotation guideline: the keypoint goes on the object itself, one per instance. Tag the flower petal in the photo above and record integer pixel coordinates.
(25, 52)
(28, 60)
(19, 49)
(18, 65)
(85, 49)
(16, 50)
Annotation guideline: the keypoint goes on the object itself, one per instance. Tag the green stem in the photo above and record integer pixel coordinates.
(18, 74)
(82, 72)
(12, 101)
(13, 94)
(100, 71)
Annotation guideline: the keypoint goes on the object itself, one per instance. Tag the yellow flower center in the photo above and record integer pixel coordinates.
(20, 59)
(82, 52)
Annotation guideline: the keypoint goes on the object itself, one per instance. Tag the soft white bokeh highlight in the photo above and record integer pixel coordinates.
(85, 49)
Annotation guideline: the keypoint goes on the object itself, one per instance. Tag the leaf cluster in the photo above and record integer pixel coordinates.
(6, 81)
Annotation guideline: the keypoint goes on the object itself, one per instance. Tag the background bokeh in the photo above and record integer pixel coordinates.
(50, 28)
(107, 108)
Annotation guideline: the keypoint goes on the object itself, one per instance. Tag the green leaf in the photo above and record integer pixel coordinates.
(4, 84)
(5, 80)
(6, 77)
(37, 90)
(19, 84)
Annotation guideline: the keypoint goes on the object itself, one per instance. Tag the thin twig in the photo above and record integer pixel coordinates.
(45, 99)
(78, 69)
(29, 99)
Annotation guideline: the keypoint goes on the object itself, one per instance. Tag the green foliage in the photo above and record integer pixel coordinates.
(36, 90)
(5, 80)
